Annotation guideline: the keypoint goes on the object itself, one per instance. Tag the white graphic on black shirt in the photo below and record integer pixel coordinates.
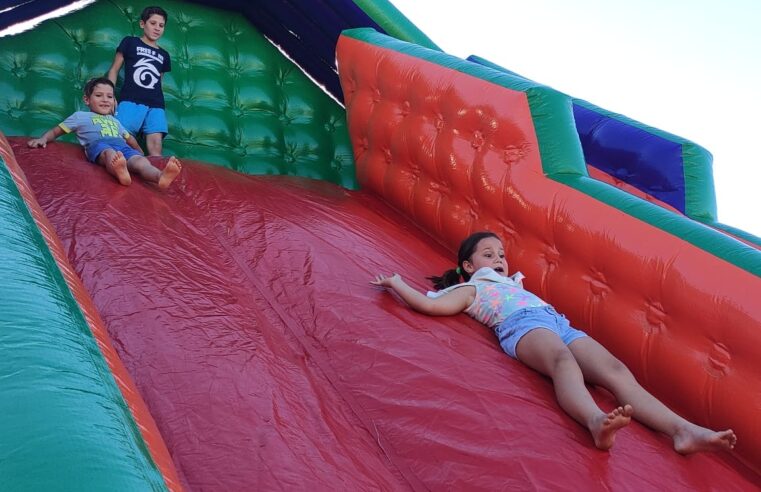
(146, 75)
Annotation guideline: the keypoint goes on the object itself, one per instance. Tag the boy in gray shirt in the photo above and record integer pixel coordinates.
(106, 141)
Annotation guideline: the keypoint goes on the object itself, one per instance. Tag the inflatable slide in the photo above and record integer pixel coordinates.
(223, 334)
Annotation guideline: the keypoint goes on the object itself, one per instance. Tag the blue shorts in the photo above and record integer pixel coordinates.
(512, 329)
(118, 144)
(138, 118)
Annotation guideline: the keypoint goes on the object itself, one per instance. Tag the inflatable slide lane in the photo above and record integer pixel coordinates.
(223, 335)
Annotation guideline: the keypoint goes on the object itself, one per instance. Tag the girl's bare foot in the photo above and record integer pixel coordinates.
(171, 171)
(117, 165)
(693, 439)
(605, 427)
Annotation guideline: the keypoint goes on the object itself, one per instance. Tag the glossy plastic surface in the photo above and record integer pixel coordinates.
(242, 308)
(453, 147)
(241, 304)
(72, 417)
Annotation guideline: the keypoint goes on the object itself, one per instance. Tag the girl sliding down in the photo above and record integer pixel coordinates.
(531, 331)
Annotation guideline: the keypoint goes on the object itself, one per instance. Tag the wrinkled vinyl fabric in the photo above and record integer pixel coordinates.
(72, 417)
(242, 308)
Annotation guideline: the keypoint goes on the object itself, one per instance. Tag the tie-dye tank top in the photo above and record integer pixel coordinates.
(497, 297)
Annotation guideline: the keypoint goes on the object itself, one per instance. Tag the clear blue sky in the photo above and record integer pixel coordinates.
(691, 68)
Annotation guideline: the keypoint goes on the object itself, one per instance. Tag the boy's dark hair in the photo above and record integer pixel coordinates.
(90, 85)
(149, 11)
(467, 248)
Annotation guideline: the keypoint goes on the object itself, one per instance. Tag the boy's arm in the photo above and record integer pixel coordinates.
(46, 137)
(132, 142)
(451, 303)
(113, 72)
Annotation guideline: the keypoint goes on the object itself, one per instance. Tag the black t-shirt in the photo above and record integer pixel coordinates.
(143, 66)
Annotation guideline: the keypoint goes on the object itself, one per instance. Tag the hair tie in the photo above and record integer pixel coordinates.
(458, 270)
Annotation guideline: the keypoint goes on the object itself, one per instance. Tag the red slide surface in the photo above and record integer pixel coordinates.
(242, 308)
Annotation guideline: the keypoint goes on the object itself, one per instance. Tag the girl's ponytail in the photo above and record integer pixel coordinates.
(447, 279)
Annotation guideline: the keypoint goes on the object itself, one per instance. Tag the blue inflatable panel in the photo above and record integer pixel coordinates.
(627, 153)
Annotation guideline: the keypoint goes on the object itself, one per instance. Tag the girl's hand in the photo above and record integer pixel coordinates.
(386, 280)
(37, 142)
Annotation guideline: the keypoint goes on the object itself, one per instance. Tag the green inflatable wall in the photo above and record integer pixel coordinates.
(232, 98)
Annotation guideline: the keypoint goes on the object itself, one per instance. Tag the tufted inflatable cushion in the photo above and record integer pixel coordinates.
(655, 165)
(231, 98)
(458, 148)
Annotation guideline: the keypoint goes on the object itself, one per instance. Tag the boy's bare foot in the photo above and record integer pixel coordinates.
(605, 428)
(171, 171)
(693, 439)
(117, 166)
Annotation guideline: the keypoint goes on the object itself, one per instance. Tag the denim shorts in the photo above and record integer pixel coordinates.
(93, 150)
(138, 118)
(512, 329)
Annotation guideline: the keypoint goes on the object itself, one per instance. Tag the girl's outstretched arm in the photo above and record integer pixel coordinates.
(452, 303)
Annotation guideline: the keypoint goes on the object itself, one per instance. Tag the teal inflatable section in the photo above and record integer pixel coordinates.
(60, 404)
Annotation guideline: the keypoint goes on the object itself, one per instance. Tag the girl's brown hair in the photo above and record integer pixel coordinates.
(467, 248)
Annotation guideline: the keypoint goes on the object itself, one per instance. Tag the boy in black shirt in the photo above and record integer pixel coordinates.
(141, 102)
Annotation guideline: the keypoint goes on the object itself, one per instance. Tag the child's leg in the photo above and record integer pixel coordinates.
(116, 165)
(142, 166)
(154, 142)
(600, 367)
(543, 351)
(154, 128)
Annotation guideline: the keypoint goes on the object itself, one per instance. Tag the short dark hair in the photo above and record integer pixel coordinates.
(149, 11)
(90, 85)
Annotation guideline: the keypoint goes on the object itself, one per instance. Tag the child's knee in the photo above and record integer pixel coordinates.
(104, 156)
(138, 162)
(615, 366)
(561, 355)
(154, 142)
(617, 373)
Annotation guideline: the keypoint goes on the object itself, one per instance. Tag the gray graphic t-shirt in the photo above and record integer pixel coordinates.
(90, 127)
